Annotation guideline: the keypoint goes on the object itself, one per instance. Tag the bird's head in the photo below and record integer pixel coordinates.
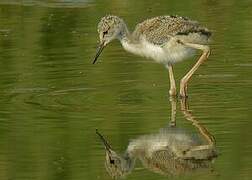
(116, 165)
(109, 28)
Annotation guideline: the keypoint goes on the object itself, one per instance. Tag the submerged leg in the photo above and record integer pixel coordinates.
(172, 90)
(187, 77)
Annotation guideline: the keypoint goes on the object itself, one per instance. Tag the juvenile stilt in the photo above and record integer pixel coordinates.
(165, 39)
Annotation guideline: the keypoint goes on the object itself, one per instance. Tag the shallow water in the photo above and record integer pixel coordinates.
(53, 97)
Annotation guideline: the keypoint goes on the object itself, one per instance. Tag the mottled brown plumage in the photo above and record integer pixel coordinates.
(161, 29)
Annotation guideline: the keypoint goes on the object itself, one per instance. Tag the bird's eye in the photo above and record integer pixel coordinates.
(104, 33)
(112, 161)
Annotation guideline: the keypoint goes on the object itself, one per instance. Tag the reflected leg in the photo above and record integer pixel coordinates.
(173, 111)
(202, 130)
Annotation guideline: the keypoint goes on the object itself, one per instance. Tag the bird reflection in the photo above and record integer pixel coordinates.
(171, 151)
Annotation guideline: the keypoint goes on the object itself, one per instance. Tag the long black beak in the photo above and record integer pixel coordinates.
(106, 144)
(98, 52)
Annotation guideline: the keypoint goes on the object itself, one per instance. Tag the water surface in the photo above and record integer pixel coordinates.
(53, 98)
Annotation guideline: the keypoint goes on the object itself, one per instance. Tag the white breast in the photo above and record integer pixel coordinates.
(169, 53)
(149, 144)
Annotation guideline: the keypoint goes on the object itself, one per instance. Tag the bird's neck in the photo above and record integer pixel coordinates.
(129, 161)
(129, 42)
(124, 34)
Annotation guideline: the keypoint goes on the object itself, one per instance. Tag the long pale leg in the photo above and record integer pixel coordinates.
(172, 90)
(187, 77)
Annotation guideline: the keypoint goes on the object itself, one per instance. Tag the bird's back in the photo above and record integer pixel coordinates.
(166, 152)
(159, 30)
(164, 162)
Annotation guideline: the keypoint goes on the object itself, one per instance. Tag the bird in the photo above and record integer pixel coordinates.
(170, 151)
(165, 39)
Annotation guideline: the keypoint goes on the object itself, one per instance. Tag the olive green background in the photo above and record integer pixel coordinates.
(52, 98)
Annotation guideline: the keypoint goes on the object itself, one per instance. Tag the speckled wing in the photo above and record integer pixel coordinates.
(161, 29)
(164, 162)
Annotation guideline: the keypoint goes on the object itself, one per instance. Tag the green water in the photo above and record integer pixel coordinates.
(52, 98)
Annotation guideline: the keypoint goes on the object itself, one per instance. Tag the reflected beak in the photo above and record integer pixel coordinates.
(105, 143)
(99, 50)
